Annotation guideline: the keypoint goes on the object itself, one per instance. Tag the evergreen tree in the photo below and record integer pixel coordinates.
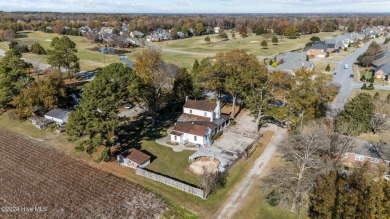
(376, 97)
(363, 78)
(195, 66)
(356, 116)
(264, 44)
(275, 40)
(364, 87)
(371, 86)
(372, 79)
(327, 68)
(37, 49)
(183, 85)
(207, 39)
(12, 76)
(64, 55)
(96, 117)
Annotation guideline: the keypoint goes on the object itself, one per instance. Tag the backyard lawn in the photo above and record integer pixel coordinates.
(170, 163)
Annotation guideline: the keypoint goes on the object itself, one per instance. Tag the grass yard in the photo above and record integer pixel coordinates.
(250, 44)
(382, 93)
(368, 74)
(166, 161)
(321, 65)
(170, 163)
(23, 127)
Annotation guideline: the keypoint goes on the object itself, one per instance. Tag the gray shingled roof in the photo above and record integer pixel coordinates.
(385, 68)
(381, 61)
(293, 65)
(59, 114)
(291, 56)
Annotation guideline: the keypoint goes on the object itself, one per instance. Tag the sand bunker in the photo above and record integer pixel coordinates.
(208, 163)
(48, 40)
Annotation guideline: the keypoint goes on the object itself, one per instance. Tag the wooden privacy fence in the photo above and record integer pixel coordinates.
(171, 182)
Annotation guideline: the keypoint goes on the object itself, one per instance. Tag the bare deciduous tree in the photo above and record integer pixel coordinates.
(380, 122)
(314, 152)
(210, 180)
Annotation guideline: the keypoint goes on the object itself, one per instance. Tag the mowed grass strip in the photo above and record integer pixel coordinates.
(250, 44)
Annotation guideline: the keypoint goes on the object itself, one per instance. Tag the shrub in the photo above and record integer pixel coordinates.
(216, 136)
(371, 86)
(37, 49)
(376, 97)
(232, 122)
(21, 48)
(13, 44)
(327, 68)
(372, 80)
(345, 49)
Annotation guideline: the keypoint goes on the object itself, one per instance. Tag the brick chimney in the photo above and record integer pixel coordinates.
(218, 109)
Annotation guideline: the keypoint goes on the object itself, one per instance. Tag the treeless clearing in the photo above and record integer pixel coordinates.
(34, 175)
(209, 163)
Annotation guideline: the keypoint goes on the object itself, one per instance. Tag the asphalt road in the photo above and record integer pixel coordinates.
(343, 78)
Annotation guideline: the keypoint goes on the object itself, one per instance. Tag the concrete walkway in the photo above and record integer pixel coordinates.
(245, 186)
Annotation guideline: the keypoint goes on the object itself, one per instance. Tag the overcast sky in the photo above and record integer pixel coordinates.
(197, 6)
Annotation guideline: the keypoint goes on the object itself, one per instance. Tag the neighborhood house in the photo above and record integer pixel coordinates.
(59, 116)
(200, 121)
(134, 158)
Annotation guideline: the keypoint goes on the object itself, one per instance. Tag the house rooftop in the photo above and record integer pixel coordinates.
(136, 156)
(59, 114)
(191, 128)
(189, 118)
(200, 105)
(385, 68)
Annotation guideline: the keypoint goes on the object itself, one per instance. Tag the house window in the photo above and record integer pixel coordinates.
(195, 139)
(175, 137)
(190, 111)
(359, 158)
(205, 114)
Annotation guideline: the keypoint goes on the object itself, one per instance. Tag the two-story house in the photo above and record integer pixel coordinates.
(199, 122)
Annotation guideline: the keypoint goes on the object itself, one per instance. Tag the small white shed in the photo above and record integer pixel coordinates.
(134, 158)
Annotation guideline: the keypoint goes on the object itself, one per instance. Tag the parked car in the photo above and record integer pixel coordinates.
(334, 73)
(128, 106)
(351, 75)
(346, 66)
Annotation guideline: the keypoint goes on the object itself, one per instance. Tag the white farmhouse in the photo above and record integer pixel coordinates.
(59, 116)
(200, 121)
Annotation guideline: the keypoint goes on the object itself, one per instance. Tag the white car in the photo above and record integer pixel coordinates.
(346, 66)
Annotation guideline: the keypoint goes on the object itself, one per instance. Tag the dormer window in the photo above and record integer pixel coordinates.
(205, 114)
(190, 111)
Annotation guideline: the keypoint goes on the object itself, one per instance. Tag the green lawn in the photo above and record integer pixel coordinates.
(170, 163)
(250, 44)
(22, 127)
(166, 161)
